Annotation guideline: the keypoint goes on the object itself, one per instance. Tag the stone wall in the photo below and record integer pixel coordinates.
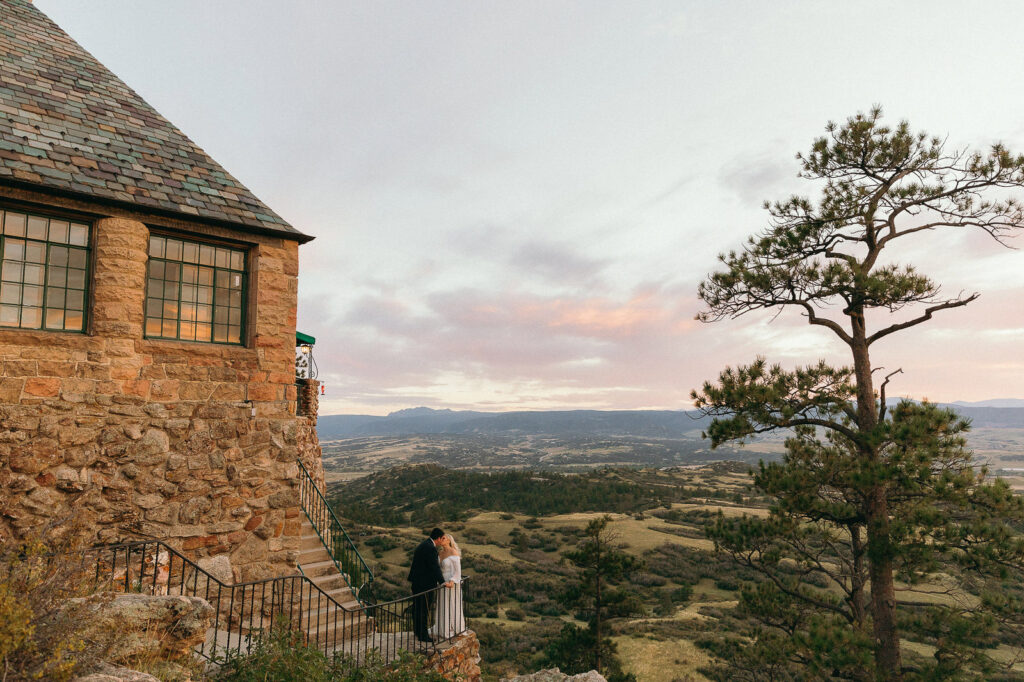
(459, 660)
(193, 443)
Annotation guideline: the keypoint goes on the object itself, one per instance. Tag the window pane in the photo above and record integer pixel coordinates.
(204, 313)
(222, 278)
(220, 334)
(155, 288)
(206, 276)
(14, 249)
(76, 279)
(234, 334)
(14, 224)
(54, 298)
(171, 290)
(156, 247)
(32, 296)
(34, 274)
(188, 312)
(10, 292)
(189, 274)
(236, 260)
(153, 307)
(9, 315)
(170, 310)
(202, 332)
(156, 269)
(235, 316)
(205, 254)
(187, 331)
(73, 320)
(188, 293)
(58, 256)
(74, 300)
(170, 328)
(35, 252)
(235, 299)
(79, 235)
(10, 271)
(76, 258)
(173, 251)
(54, 318)
(153, 326)
(205, 295)
(56, 277)
(191, 253)
(36, 227)
(31, 318)
(223, 259)
(59, 231)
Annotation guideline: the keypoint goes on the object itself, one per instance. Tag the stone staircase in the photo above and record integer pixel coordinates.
(325, 622)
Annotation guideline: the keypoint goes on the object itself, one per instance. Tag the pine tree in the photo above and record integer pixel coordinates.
(865, 494)
(602, 566)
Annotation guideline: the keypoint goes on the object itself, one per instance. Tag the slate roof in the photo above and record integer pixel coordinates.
(67, 124)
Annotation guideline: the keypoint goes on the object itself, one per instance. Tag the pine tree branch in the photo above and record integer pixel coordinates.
(945, 305)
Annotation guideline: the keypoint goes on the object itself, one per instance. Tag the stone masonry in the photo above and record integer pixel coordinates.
(192, 443)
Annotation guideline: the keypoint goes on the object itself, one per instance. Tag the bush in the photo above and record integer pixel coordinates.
(43, 635)
(284, 657)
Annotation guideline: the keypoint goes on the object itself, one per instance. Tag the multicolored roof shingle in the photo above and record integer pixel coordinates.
(68, 124)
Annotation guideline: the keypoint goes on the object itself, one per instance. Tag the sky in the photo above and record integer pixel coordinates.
(514, 202)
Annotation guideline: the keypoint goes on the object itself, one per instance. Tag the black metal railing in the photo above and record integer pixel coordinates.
(244, 613)
(339, 545)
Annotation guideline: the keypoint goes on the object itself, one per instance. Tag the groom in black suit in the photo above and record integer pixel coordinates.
(425, 574)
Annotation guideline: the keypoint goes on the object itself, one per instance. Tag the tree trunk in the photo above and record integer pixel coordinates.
(597, 603)
(880, 568)
(883, 591)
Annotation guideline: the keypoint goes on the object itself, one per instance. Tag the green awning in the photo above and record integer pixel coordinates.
(304, 339)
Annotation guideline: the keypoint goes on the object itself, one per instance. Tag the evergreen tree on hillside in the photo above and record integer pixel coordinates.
(597, 595)
(866, 495)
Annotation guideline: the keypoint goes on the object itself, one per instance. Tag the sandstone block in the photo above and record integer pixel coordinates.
(42, 387)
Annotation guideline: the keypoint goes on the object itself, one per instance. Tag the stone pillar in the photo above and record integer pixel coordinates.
(119, 281)
(309, 398)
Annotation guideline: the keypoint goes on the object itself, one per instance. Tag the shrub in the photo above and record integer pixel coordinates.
(43, 635)
(283, 656)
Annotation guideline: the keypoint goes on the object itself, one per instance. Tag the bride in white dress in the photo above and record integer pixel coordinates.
(449, 619)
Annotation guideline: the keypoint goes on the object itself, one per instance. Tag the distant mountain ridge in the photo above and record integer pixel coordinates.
(635, 423)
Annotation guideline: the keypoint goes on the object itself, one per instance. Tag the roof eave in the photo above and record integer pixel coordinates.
(291, 234)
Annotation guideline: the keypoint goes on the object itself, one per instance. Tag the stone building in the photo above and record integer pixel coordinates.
(147, 322)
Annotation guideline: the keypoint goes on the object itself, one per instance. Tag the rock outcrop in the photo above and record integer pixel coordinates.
(554, 675)
(459, 659)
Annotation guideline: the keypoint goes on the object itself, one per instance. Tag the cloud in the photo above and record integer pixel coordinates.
(759, 178)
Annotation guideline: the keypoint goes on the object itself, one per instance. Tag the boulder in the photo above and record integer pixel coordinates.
(554, 675)
(168, 626)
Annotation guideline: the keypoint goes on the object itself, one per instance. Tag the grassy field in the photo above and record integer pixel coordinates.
(516, 559)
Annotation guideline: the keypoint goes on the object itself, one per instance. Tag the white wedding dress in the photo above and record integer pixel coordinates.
(449, 619)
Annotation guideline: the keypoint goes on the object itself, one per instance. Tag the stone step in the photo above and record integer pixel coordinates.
(311, 542)
(328, 630)
(330, 581)
(344, 597)
(308, 556)
(319, 568)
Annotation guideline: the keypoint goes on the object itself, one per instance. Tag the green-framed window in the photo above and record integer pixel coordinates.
(195, 291)
(44, 272)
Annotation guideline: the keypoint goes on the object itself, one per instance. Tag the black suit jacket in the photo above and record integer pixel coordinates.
(425, 571)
